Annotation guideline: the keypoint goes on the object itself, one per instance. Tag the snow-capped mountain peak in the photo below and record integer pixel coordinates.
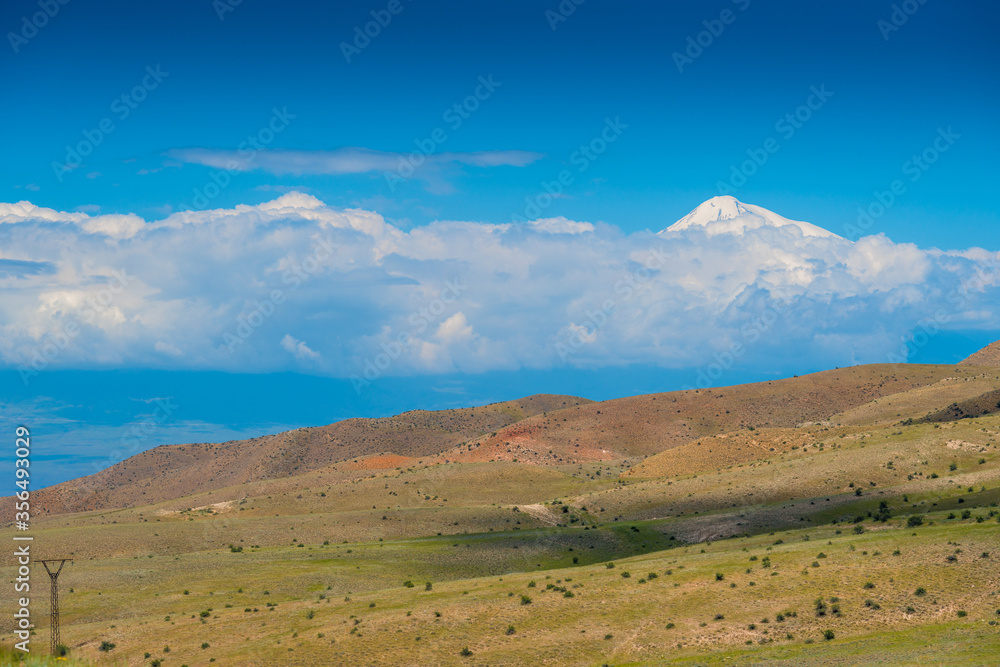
(727, 215)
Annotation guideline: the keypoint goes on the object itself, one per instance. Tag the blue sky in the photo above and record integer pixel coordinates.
(243, 214)
(606, 59)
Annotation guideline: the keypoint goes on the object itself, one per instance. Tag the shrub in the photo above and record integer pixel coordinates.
(719, 617)
(915, 520)
(310, 614)
(626, 575)
(525, 599)
(609, 565)
(204, 645)
(465, 651)
(106, 646)
(820, 607)
(510, 630)
(62, 650)
(962, 614)
(920, 591)
(408, 584)
(670, 626)
(952, 466)
(428, 586)
(828, 635)
(858, 529)
(205, 613)
(719, 576)
(868, 585)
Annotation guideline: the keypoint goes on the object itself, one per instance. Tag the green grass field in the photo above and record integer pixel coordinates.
(862, 543)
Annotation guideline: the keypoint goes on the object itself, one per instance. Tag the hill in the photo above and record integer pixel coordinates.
(988, 356)
(175, 471)
(540, 430)
(845, 517)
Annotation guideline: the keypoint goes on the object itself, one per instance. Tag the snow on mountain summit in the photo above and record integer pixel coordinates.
(727, 215)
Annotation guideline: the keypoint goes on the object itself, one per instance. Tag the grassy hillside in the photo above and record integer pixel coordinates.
(849, 517)
(988, 356)
(175, 471)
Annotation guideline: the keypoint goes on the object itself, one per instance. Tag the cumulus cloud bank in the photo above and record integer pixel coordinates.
(293, 284)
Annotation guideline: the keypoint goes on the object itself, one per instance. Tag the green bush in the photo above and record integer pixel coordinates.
(914, 521)
(828, 635)
(106, 646)
(525, 599)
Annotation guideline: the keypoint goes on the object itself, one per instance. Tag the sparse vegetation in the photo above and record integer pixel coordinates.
(518, 519)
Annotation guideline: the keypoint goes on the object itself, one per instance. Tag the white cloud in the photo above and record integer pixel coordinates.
(298, 349)
(221, 289)
(428, 168)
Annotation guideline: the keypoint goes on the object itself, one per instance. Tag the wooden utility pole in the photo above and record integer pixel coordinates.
(54, 606)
